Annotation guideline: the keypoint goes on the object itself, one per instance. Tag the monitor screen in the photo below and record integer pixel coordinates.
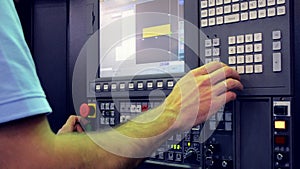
(141, 37)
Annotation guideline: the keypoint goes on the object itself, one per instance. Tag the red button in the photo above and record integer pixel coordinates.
(84, 110)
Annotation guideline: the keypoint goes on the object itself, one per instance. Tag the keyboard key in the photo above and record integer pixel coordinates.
(262, 13)
(253, 15)
(262, 3)
(232, 18)
(258, 58)
(244, 6)
(249, 38)
(244, 16)
(219, 10)
(253, 4)
(271, 12)
(281, 10)
(249, 58)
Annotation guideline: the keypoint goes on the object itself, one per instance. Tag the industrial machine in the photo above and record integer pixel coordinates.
(136, 51)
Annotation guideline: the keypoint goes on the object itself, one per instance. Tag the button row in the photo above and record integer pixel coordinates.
(244, 5)
(276, 45)
(212, 50)
(140, 85)
(218, 19)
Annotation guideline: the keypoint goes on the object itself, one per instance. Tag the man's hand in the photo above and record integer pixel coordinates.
(72, 125)
(201, 93)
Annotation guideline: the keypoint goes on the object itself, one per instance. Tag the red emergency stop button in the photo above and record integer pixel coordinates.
(84, 110)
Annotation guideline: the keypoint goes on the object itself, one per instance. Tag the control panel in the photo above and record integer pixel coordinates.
(254, 37)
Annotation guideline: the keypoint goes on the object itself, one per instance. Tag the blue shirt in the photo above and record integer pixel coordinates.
(21, 94)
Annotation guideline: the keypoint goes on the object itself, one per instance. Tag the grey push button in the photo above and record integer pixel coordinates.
(122, 86)
(160, 84)
(277, 62)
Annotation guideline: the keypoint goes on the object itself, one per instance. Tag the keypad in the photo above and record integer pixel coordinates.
(218, 12)
(212, 50)
(245, 53)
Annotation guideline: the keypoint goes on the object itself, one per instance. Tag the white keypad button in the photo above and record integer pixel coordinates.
(276, 35)
(219, 10)
(204, 22)
(170, 84)
(244, 6)
(240, 59)
(277, 45)
(232, 18)
(240, 49)
(232, 50)
(220, 20)
(271, 12)
(212, 12)
(208, 52)
(240, 69)
(253, 15)
(258, 68)
(227, 1)
(262, 3)
(231, 40)
(160, 84)
(211, 3)
(277, 62)
(235, 7)
(249, 69)
(130, 85)
(249, 48)
(253, 4)
(262, 13)
(249, 58)
(279, 2)
(122, 86)
(244, 16)
(227, 9)
(149, 85)
(231, 60)
(140, 85)
(204, 4)
(216, 59)
(240, 39)
(208, 60)
(235, 0)
(258, 47)
(258, 37)
(219, 2)
(204, 13)
(212, 21)
(216, 42)
(216, 51)
(271, 2)
(208, 43)
(281, 10)
(113, 86)
(258, 58)
(233, 67)
(249, 38)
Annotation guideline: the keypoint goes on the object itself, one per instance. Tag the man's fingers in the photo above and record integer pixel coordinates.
(227, 85)
(208, 68)
(222, 74)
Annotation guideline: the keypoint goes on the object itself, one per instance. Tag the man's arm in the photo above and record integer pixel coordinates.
(29, 143)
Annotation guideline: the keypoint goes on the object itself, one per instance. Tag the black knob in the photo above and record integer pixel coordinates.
(279, 156)
(209, 161)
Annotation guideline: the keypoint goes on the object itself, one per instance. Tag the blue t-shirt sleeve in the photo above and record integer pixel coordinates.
(21, 94)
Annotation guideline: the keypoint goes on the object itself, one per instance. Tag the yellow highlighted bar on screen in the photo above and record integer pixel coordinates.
(157, 31)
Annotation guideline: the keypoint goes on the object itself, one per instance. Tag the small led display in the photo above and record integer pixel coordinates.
(280, 140)
(280, 125)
